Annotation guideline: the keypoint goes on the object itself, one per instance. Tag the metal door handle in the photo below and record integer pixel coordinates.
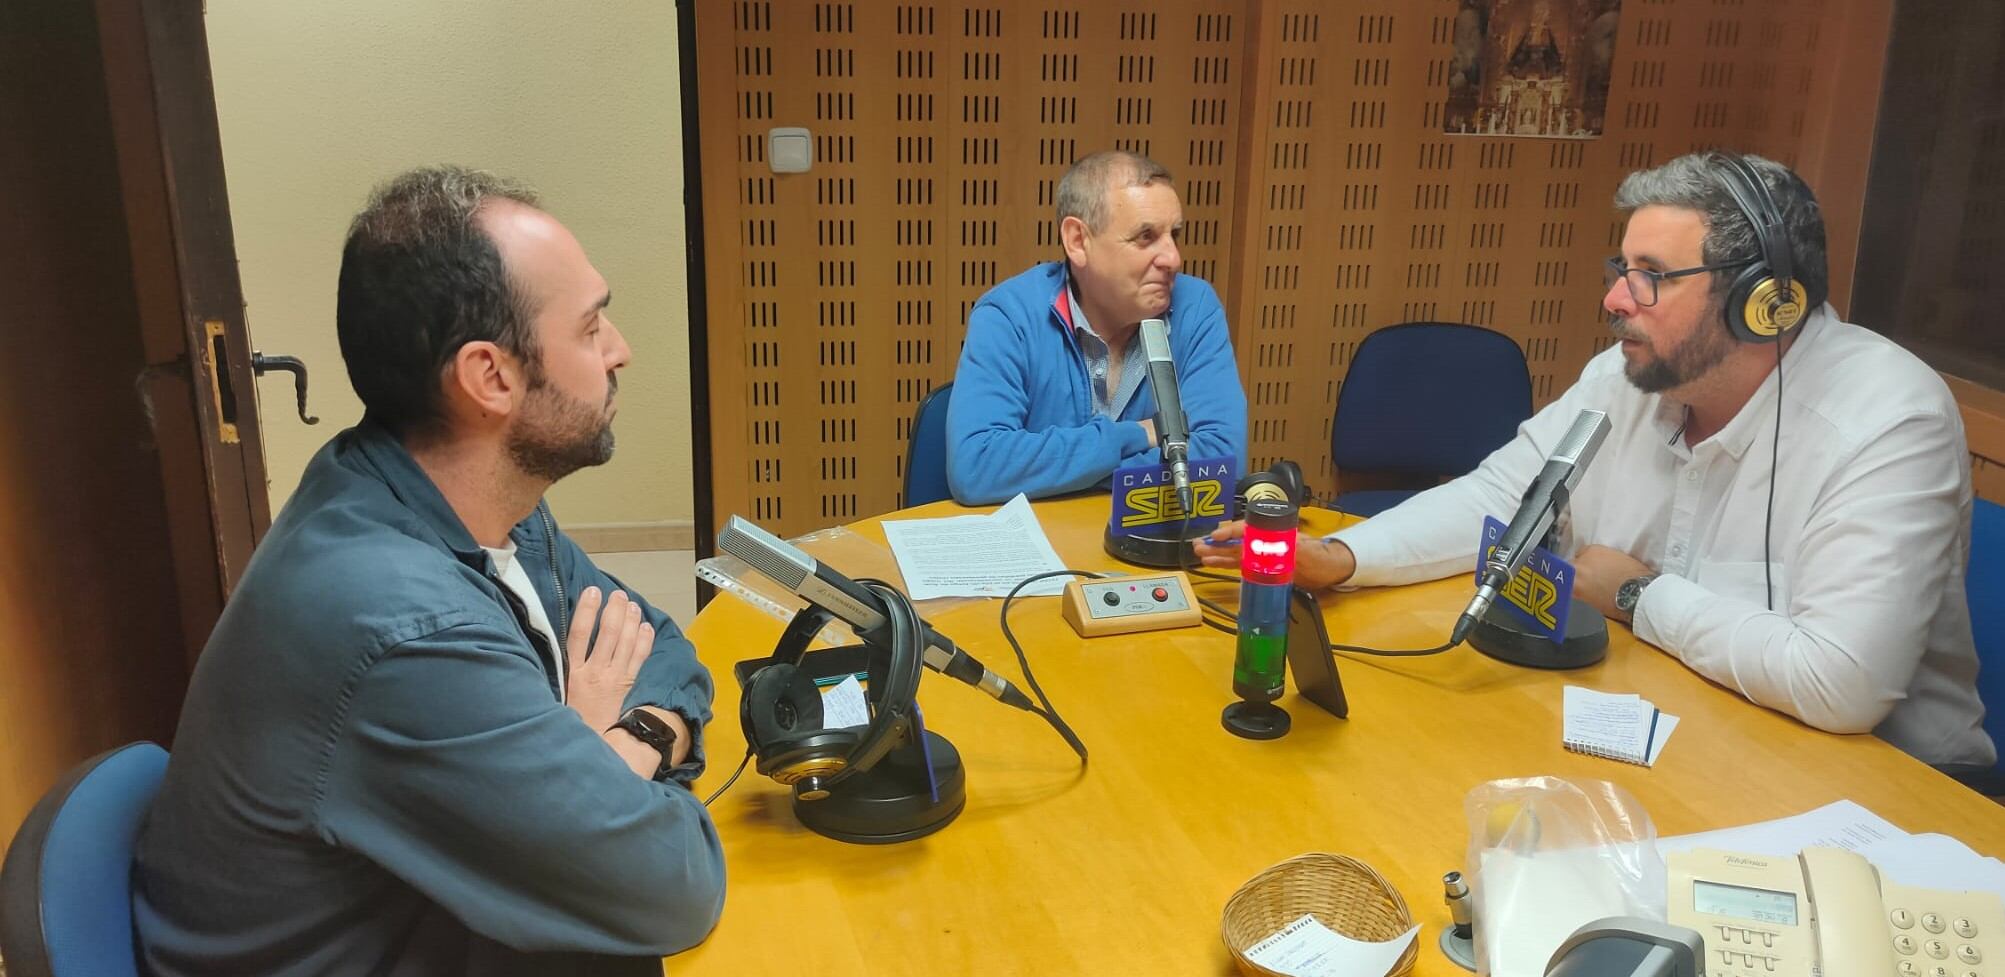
(261, 364)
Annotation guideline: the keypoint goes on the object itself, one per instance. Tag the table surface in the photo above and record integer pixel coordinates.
(1124, 867)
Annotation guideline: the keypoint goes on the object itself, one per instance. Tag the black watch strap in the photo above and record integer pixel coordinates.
(655, 732)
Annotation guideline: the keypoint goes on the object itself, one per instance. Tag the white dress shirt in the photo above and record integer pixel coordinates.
(1870, 537)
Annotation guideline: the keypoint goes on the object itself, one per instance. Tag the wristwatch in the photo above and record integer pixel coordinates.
(655, 732)
(1630, 592)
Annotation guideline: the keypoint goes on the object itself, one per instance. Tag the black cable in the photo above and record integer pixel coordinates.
(1768, 521)
(1050, 714)
(734, 778)
(1382, 653)
(1345, 649)
(1233, 630)
(1184, 555)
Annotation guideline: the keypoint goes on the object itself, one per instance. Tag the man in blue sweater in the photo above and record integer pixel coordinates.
(1051, 393)
(428, 736)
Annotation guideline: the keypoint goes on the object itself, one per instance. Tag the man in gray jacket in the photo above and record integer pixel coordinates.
(428, 736)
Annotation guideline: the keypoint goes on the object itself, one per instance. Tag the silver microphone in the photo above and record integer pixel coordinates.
(1172, 428)
(790, 567)
(1543, 501)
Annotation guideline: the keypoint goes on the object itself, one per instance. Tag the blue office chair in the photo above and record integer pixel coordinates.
(926, 461)
(1425, 401)
(66, 887)
(1984, 585)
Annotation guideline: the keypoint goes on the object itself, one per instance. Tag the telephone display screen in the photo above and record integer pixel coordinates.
(1760, 905)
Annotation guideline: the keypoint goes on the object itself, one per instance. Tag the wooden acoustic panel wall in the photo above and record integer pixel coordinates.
(1319, 192)
(1362, 213)
(838, 297)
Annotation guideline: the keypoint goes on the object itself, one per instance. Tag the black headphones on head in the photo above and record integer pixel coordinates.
(781, 709)
(1766, 299)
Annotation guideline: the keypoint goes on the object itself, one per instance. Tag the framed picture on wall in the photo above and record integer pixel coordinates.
(1531, 68)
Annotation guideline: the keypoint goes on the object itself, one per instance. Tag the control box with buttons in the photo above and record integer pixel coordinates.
(1120, 605)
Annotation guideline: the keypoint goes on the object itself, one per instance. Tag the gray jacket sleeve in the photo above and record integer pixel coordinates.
(455, 770)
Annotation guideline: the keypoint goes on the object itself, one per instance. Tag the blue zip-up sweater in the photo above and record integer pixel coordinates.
(374, 774)
(1021, 416)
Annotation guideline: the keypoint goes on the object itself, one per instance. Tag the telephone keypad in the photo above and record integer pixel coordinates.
(1955, 916)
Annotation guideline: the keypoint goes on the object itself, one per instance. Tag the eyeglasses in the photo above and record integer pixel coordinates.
(1643, 282)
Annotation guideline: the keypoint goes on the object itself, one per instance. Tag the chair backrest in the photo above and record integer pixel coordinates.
(1984, 584)
(926, 461)
(1429, 398)
(66, 887)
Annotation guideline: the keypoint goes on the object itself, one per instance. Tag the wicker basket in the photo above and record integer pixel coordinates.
(1343, 893)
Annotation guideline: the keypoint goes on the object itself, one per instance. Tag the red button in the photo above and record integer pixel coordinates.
(1160, 594)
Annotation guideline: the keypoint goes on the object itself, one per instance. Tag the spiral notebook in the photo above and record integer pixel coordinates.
(1617, 726)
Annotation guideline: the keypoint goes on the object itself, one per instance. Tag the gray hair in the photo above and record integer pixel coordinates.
(1696, 181)
(1082, 191)
(420, 279)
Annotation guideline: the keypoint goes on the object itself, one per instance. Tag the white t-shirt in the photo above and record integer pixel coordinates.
(1871, 533)
(513, 577)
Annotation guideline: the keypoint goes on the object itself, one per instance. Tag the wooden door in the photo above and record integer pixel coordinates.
(198, 380)
(131, 480)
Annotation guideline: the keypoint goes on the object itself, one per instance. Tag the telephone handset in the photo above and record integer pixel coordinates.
(1827, 913)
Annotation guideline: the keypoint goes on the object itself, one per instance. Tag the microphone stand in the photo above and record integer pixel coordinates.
(1166, 544)
(916, 789)
(1499, 635)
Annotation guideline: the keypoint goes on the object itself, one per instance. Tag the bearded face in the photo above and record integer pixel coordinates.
(558, 434)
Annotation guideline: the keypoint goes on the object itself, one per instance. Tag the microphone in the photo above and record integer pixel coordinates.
(1543, 500)
(1172, 430)
(793, 569)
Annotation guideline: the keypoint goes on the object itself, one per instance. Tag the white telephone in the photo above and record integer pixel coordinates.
(1827, 913)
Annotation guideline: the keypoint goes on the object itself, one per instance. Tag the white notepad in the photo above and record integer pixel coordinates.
(1620, 727)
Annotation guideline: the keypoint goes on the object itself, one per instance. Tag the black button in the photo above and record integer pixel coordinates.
(1113, 599)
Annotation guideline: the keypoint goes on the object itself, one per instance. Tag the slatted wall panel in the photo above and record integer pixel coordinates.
(1369, 215)
(1319, 192)
(838, 297)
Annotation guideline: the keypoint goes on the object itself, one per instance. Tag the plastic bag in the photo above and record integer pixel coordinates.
(1547, 855)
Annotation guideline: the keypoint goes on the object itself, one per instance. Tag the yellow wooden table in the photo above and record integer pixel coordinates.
(1124, 867)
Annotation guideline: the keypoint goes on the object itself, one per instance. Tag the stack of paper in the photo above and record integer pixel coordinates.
(975, 555)
(1928, 861)
(1620, 727)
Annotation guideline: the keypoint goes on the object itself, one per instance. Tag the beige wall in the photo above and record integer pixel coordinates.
(318, 102)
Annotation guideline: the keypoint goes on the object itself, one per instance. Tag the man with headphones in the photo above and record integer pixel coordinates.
(1783, 500)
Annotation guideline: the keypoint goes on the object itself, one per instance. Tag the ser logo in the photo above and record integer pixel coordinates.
(1531, 593)
(1151, 504)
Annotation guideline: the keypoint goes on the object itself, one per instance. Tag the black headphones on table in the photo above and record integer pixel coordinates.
(1765, 299)
(781, 709)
